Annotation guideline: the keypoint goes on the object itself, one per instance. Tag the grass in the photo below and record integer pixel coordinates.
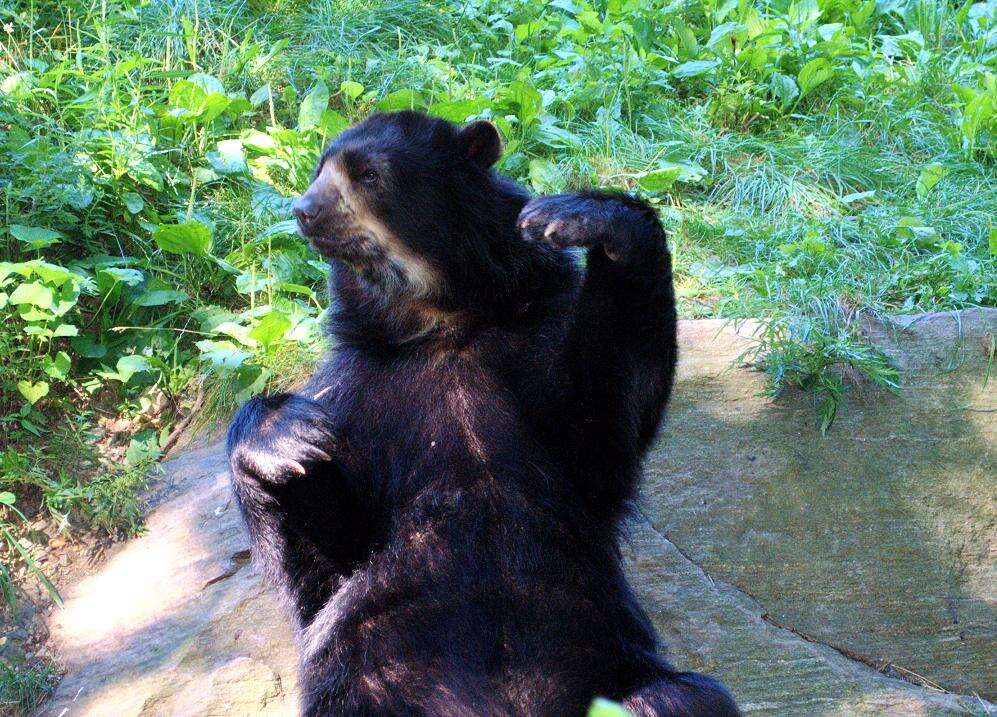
(814, 161)
(22, 687)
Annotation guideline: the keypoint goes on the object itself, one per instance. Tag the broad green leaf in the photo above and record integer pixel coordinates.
(252, 280)
(527, 29)
(221, 355)
(804, 14)
(691, 172)
(861, 15)
(133, 202)
(659, 180)
(142, 447)
(229, 157)
(602, 707)
(205, 175)
(644, 33)
(256, 140)
(351, 89)
(687, 37)
(814, 73)
(261, 96)
(267, 200)
(332, 123)
(931, 175)
(460, 110)
(545, 177)
(208, 83)
(693, 68)
(192, 101)
(858, 196)
(86, 347)
(406, 99)
(36, 330)
(66, 298)
(528, 101)
(159, 297)
(551, 135)
(662, 178)
(130, 277)
(49, 273)
(191, 237)
(126, 367)
(590, 20)
(7, 498)
(914, 228)
(35, 237)
(237, 331)
(296, 288)
(312, 107)
(249, 381)
(978, 113)
(992, 241)
(33, 392)
(33, 293)
(288, 226)
(270, 328)
(63, 330)
(784, 88)
(722, 32)
(58, 367)
(211, 316)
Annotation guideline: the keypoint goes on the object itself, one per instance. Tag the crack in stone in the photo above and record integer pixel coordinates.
(237, 562)
(883, 667)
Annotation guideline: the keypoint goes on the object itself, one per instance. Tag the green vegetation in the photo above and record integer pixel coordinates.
(22, 686)
(814, 160)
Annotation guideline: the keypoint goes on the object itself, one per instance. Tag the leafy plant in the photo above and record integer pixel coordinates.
(14, 547)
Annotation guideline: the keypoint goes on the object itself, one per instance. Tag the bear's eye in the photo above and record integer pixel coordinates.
(369, 177)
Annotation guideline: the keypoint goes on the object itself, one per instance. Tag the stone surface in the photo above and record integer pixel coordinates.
(714, 628)
(790, 565)
(177, 621)
(878, 538)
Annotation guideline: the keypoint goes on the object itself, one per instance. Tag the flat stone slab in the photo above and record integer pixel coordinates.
(790, 565)
(877, 539)
(177, 622)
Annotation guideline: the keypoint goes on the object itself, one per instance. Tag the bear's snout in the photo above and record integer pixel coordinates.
(307, 211)
(317, 212)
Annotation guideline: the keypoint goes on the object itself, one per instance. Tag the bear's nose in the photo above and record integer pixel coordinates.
(306, 209)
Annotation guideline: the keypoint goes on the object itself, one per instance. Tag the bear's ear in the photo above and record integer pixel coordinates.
(480, 142)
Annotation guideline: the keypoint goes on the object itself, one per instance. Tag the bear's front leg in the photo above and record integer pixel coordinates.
(624, 228)
(299, 506)
(614, 370)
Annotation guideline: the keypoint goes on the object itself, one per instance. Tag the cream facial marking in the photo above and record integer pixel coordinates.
(416, 275)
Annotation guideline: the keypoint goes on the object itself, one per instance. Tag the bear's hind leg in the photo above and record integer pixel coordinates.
(682, 694)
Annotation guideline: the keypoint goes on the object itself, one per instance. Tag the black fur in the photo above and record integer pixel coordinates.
(441, 503)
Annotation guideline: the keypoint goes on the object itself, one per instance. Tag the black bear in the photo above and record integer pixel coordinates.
(441, 503)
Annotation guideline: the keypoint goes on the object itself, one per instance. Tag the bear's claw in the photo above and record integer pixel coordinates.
(273, 439)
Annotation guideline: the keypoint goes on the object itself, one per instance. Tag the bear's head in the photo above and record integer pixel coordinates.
(410, 203)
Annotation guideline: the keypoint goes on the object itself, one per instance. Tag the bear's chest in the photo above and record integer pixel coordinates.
(418, 419)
